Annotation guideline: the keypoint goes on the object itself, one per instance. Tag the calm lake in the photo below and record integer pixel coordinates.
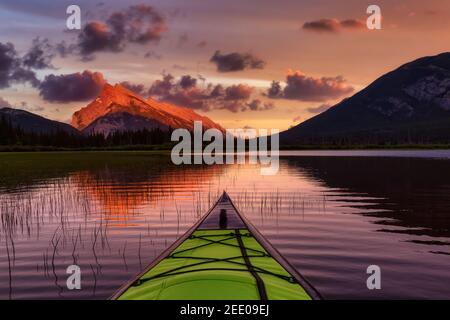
(331, 213)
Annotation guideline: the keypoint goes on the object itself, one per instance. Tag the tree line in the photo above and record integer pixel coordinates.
(11, 135)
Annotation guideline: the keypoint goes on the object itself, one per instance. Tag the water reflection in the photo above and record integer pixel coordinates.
(112, 213)
(121, 193)
(412, 193)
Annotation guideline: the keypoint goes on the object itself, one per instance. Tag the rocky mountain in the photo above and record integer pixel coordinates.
(122, 121)
(118, 109)
(33, 123)
(409, 104)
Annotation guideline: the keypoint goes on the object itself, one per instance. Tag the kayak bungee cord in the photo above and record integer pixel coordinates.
(222, 257)
(249, 268)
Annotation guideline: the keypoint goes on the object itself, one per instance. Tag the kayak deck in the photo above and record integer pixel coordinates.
(219, 259)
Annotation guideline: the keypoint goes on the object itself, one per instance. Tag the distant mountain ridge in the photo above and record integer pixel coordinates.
(32, 123)
(115, 109)
(118, 109)
(411, 103)
(408, 105)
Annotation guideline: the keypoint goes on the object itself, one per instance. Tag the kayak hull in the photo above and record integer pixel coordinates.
(222, 257)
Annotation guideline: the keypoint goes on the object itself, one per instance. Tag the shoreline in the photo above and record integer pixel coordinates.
(167, 148)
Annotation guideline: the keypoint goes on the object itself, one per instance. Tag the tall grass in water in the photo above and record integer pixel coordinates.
(70, 225)
(110, 228)
(270, 204)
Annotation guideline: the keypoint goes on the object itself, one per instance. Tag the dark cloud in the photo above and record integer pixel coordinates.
(333, 25)
(236, 61)
(139, 89)
(63, 49)
(217, 91)
(255, 104)
(187, 82)
(12, 70)
(139, 24)
(232, 106)
(258, 105)
(22, 75)
(194, 98)
(162, 88)
(187, 92)
(353, 24)
(301, 87)
(183, 92)
(322, 25)
(71, 87)
(319, 109)
(40, 55)
(275, 90)
(235, 98)
(240, 106)
(97, 36)
(238, 92)
(8, 63)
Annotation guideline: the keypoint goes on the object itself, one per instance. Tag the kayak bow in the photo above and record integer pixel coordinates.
(222, 257)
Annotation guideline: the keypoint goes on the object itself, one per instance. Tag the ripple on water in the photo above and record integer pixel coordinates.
(113, 217)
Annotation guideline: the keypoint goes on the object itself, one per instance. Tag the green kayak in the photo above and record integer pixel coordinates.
(222, 257)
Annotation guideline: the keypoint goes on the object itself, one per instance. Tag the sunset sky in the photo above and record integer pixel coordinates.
(318, 50)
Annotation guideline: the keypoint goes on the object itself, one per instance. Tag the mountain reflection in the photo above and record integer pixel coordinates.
(121, 191)
(113, 212)
(411, 193)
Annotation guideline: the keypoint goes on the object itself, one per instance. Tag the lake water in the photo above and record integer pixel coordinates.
(331, 213)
